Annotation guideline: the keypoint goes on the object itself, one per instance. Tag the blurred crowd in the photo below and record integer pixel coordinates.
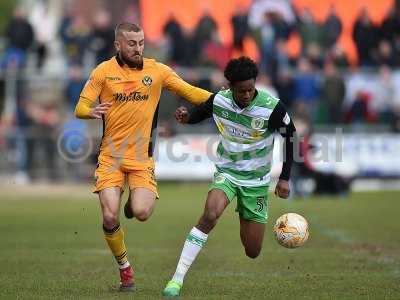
(320, 85)
(314, 84)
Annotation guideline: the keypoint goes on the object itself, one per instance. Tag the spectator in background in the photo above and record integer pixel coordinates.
(178, 43)
(69, 12)
(306, 90)
(203, 33)
(259, 8)
(74, 86)
(383, 102)
(23, 123)
(337, 55)
(385, 54)
(268, 38)
(390, 27)
(315, 55)
(216, 53)
(281, 57)
(309, 30)
(44, 119)
(333, 93)
(76, 35)
(274, 31)
(281, 26)
(365, 36)
(285, 87)
(75, 131)
(20, 37)
(360, 111)
(282, 30)
(240, 28)
(332, 28)
(102, 42)
(43, 22)
(270, 24)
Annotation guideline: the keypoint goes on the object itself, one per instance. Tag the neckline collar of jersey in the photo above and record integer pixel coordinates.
(122, 64)
(248, 107)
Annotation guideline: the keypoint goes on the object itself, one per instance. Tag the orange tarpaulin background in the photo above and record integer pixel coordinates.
(155, 14)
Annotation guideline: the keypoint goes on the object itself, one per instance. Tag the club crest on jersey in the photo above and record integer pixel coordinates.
(219, 178)
(147, 80)
(225, 114)
(257, 123)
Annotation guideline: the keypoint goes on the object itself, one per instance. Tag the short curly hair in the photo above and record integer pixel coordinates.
(240, 69)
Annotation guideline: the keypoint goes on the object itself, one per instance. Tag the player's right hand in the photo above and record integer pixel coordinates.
(100, 109)
(282, 189)
(182, 115)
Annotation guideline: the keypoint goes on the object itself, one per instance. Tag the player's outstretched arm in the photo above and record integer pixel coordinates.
(197, 114)
(175, 84)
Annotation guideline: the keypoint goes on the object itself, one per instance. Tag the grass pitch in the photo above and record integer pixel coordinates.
(51, 247)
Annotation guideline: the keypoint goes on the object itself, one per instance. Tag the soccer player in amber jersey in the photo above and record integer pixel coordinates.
(128, 88)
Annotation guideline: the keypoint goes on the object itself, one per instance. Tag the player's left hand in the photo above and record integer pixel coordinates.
(282, 189)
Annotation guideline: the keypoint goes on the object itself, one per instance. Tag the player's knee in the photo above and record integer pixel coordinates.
(110, 219)
(142, 214)
(210, 216)
(253, 252)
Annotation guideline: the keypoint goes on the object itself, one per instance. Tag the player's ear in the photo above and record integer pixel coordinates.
(117, 46)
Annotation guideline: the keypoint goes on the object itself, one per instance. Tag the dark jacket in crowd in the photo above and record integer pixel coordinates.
(103, 43)
(366, 39)
(240, 29)
(20, 34)
(332, 30)
(333, 93)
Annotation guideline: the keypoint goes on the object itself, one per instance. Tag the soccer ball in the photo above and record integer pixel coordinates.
(291, 230)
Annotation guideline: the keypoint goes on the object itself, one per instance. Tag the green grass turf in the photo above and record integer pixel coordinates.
(51, 247)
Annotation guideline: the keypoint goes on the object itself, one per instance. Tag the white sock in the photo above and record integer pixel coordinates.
(193, 244)
(125, 265)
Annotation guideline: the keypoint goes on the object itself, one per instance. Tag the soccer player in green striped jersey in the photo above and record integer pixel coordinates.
(246, 119)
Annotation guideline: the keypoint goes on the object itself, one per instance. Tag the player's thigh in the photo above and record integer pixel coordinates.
(220, 194)
(142, 180)
(108, 174)
(252, 203)
(252, 235)
(110, 199)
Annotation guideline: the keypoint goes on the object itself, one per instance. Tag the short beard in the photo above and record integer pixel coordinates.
(131, 64)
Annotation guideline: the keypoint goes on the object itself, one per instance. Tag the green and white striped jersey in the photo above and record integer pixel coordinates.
(244, 153)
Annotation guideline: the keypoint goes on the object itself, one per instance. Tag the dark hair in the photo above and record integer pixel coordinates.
(240, 69)
(127, 27)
